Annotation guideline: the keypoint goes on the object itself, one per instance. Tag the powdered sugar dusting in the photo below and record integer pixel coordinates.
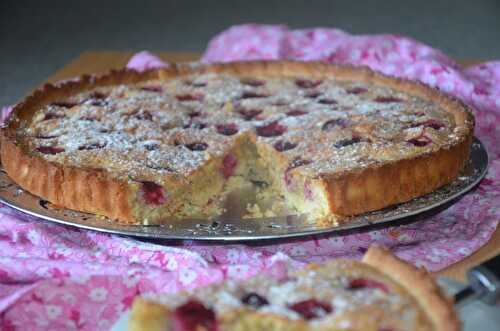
(141, 130)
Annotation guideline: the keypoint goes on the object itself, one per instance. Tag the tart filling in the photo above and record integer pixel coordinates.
(183, 142)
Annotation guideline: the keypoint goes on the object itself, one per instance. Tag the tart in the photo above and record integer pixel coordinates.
(379, 293)
(328, 141)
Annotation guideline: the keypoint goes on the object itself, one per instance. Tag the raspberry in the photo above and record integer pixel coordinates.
(50, 150)
(388, 99)
(227, 129)
(252, 82)
(153, 193)
(249, 114)
(51, 116)
(253, 95)
(197, 147)
(194, 316)
(64, 104)
(229, 164)
(310, 309)
(91, 147)
(432, 123)
(357, 90)
(305, 83)
(272, 129)
(282, 145)
(152, 88)
(189, 97)
(254, 300)
(329, 125)
(420, 141)
(298, 162)
(347, 142)
(327, 101)
(296, 112)
(363, 283)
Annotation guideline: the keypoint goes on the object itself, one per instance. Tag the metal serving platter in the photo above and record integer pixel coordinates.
(232, 229)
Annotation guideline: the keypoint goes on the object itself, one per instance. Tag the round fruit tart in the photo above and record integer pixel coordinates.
(381, 293)
(144, 148)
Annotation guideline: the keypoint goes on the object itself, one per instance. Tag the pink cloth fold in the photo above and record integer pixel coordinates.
(58, 278)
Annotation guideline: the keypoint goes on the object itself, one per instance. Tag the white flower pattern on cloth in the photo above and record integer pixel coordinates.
(53, 311)
(98, 294)
(56, 277)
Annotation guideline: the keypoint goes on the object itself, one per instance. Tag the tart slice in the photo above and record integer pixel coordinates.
(327, 141)
(379, 293)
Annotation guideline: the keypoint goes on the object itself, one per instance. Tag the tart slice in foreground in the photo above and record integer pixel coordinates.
(380, 293)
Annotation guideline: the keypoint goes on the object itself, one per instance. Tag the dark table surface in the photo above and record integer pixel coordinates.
(37, 37)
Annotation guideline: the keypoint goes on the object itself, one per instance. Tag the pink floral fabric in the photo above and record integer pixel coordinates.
(54, 277)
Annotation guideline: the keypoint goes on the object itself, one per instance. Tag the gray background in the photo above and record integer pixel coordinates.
(38, 37)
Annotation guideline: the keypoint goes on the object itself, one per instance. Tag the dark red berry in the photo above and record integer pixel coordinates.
(51, 116)
(64, 104)
(189, 97)
(280, 103)
(357, 90)
(249, 114)
(432, 123)
(252, 82)
(272, 129)
(88, 118)
(347, 142)
(99, 102)
(420, 141)
(194, 316)
(97, 95)
(194, 114)
(388, 99)
(151, 146)
(305, 83)
(253, 95)
(195, 125)
(153, 193)
(337, 122)
(91, 147)
(229, 164)
(327, 101)
(152, 88)
(227, 129)
(282, 146)
(310, 309)
(296, 112)
(308, 192)
(144, 116)
(197, 147)
(195, 84)
(50, 150)
(254, 300)
(363, 283)
(46, 136)
(298, 162)
(313, 95)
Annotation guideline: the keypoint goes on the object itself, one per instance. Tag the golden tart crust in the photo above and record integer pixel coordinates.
(352, 168)
(381, 292)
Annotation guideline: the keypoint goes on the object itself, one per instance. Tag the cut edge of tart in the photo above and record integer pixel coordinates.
(327, 197)
(381, 292)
